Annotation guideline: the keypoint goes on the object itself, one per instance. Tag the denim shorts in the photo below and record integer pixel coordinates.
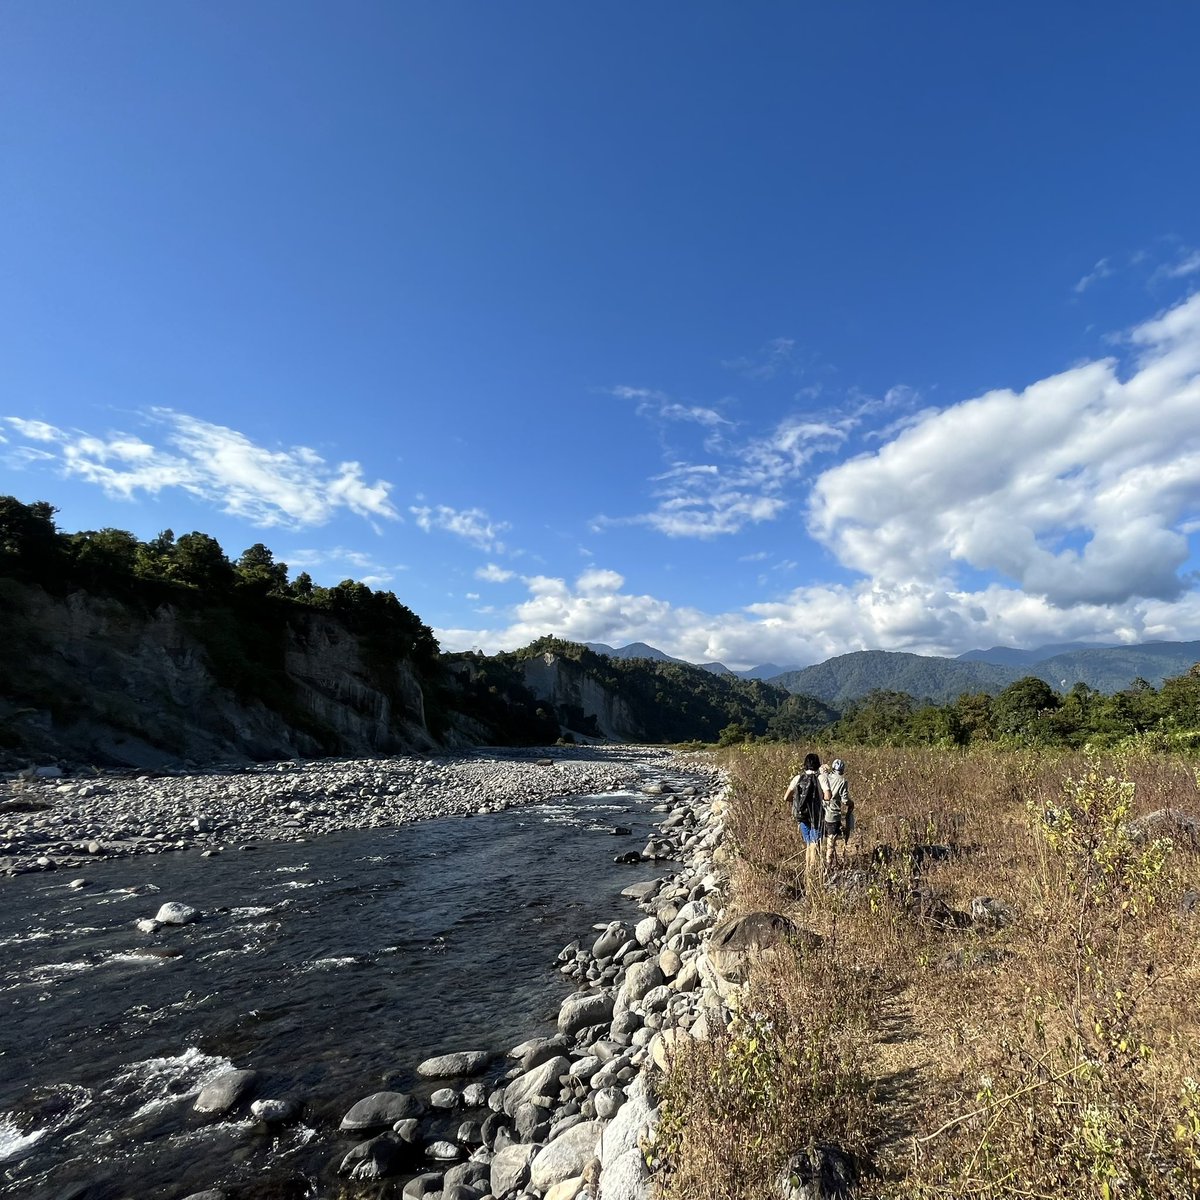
(811, 836)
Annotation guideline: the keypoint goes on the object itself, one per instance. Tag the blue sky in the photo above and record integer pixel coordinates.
(761, 332)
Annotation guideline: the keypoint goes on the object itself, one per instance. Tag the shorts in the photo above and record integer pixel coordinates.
(811, 836)
(832, 828)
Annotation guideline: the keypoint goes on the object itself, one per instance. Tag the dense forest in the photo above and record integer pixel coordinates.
(239, 610)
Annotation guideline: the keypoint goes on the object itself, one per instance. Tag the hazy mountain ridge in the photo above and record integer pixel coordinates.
(847, 677)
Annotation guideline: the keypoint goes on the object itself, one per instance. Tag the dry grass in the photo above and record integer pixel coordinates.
(1051, 1057)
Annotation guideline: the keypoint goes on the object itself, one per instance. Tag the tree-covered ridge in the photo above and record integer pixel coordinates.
(848, 678)
(1031, 713)
(194, 566)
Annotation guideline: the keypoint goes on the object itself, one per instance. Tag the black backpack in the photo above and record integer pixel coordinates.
(806, 804)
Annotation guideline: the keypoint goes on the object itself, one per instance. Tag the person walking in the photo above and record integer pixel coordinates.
(804, 795)
(838, 811)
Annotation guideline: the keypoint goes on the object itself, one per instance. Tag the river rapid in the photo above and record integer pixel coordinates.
(331, 966)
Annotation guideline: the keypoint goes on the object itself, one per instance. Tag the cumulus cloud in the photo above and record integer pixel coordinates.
(292, 488)
(471, 524)
(1076, 489)
(493, 574)
(813, 623)
(1061, 512)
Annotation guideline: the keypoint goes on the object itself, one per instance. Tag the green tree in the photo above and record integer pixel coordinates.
(1022, 712)
(258, 571)
(200, 561)
(28, 536)
(104, 554)
(156, 558)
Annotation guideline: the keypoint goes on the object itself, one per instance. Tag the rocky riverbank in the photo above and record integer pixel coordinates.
(51, 820)
(573, 1114)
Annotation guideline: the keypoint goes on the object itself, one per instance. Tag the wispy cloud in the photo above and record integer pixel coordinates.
(471, 524)
(743, 484)
(293, 487)
(1188, 263)
(771, 359)
(342, 560)
(1102, 270)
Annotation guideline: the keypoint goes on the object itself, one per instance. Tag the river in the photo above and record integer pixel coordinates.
(332, 967)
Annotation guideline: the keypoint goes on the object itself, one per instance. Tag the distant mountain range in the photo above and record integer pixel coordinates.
(837, 681)
(642, 650)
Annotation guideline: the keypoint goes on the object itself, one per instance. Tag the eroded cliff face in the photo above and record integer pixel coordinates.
(93, 678)
(566, 685)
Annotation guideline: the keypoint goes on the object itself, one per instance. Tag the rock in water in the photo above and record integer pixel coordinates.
(459, 1065)
(380, 1109)
(382, 1155)
(174, 913)
(225, 1091)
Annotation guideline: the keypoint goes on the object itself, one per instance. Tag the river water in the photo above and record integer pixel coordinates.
(332, 967)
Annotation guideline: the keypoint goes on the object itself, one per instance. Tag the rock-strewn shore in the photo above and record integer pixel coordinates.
(50, 820)
(576, 1114)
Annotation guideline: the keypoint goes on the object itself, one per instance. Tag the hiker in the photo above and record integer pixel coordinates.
(804, 794)
(838, 814)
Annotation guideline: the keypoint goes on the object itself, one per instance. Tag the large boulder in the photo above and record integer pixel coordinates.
(626, 1177)
(381, 1109)
(458, 1065)
(1166, 822)
(585, 1009)
(224, 1092)
(541, 1081)
(373, 1159)
(565, 1157)
(621, 1135)
(735, 942)
(510, 1168)
(639, 979)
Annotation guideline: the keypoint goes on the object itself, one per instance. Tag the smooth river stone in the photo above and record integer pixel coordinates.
(380, 1109)
(459, 1065)
(225, 1091)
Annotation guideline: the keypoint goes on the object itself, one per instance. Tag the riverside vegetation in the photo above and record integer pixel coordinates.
(1001, 1002)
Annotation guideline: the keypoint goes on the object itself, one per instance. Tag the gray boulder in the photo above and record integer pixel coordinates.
(225, 1091)
(380, 1156)
(584, 1009)
(422, 1186)
(541, 1081)
(380, 1109)
(622, 1132)
(459, 1065)
(625, 1177)
(736, 941)
(564, 1157)
(275, 1112)
(510, 1168)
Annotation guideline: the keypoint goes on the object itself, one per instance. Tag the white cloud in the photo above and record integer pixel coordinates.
(471, 524)
(493, 574)
(1187, 264)
(292, 488)
(774, 357)
(1102, 270)
(343, 561)
(813, 623)
(1061, 512)
(710, 499)
(1075, 488)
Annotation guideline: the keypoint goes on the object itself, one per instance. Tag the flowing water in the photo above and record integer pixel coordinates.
(331, 967)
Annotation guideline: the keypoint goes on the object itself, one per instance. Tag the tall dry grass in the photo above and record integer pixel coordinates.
(1052, 1056)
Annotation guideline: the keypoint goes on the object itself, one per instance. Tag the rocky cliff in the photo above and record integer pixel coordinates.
(586, 705)
(104, 679)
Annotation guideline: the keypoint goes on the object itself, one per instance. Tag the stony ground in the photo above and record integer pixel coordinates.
(50, 820)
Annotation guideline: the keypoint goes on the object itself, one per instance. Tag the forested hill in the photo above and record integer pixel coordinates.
(848, 677)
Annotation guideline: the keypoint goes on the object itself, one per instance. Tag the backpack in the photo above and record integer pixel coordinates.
(806, 803)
